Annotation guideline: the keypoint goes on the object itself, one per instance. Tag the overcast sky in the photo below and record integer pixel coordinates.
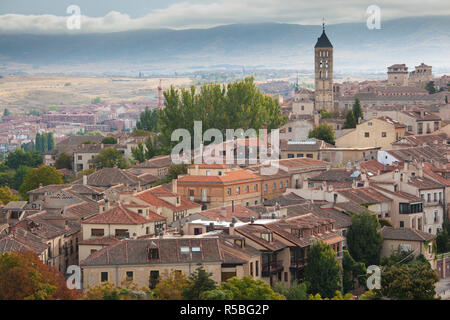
(50, 16)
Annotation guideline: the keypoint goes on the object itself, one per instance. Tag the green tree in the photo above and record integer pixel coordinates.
(64, 160)
(44, 175)
(406, 282)
(50, 141)
(199, 282)
(357, 110)
(7, 196)
(338, 296)
(108, 158)
(19, 175)
(148, 120)
(322, 261)
(171, 286)
(296, 291)
(109, 140)
(6, 112)
(352, 271)
(7, 178)
(38, 143)
(138, 152)
(24, 277)
(350, 121)
(323, 131)
(363, 239)
(246, 288)
(21, 158)
(429, 86)
(237, 105)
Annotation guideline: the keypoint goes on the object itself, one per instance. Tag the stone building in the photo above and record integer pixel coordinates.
(398, 75)
(421, 75)
(323, 70)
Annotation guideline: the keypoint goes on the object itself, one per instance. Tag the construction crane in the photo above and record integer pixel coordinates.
(160, 104)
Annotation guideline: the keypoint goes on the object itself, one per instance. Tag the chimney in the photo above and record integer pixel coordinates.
(223, 212)
(420, 173)
(252, 220)
(85, 179)
(106, 204)
(174, 186)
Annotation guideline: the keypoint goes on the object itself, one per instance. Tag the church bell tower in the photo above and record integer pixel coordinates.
(323, 70)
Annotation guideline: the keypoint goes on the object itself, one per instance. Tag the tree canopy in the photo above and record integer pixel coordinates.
(238, 105)
(246, 288)
(64, 161)
(350, 121)
(323, 131)
(44, 175)
(148, 120)
(199, 282)
(24, 277)
(6, 195)
(108, 158)
(19, 158)
(322, 261)
(363, 240)
(357, 110)
(109, 140)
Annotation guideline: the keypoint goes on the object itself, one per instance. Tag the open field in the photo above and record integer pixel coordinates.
(26, 92)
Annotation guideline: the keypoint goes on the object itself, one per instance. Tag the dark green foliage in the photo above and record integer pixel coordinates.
(350, 121)
(323, 131)
(109, 140)
(148, 120)
(363, 240)
(6, 112)
(430, 87)
(297, 291)
(64, 160)
(21, 158)
(352, 271)
(443, 239)
(44, 142)
(108, 158)
(44, 175)
(357, 110)
(237, 105)
(19, 176)
(322, 261)
(199, 282)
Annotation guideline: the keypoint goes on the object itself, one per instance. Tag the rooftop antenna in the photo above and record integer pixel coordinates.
(323, 23)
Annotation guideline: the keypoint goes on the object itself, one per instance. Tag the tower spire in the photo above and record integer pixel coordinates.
(323, 24)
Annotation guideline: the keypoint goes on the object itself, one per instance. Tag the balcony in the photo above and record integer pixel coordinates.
(272, 267)
(297, 263)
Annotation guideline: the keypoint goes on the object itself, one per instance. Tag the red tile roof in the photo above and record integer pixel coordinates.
(121, 215)
(152, 196)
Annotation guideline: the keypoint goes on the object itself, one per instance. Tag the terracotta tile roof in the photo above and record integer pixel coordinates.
(83, 210)
(423, 139)
(86, 189)
(335, 174)
(392, 121)
(373, 166)
(349, 206)
(240, 212)
(121, 215)
(108, 177)
(424, 183)
(401, 194)
(253, 231)
(21, 240)
(209, 166)
(285, 200)
(152, 196)
(228, 178)
(156, 162)
(428, 170)
(417, 153)
(131, 252)
(417, 115)
(363, 195)
(49, 188)
(390, 233)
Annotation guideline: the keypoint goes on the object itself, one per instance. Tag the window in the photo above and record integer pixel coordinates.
(104, 277)
(196, 249)
(257, 268)
(285, 276)
(435, 196)
(299, 155)
(97, 232)
(287, 183)
(198, 231)
(383, 134)
(289, 129)
(251, 269)
(247, 189)
(281, 185)
(309, 155)
(428, 197)
(80, 157)
(303, 108)
(129, 275)
(402, 224)
(154, 277)
(369, 123)
(267, 236)
(366, 134)
(255, 187)
(265, 187)
(274, 186)
(153, 254)
(184, 250)
(220, 173)
(290, 155)
(238, 190)
(122, 233)
(229, 191)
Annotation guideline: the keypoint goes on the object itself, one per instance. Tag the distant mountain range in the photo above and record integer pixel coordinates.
(267, 45)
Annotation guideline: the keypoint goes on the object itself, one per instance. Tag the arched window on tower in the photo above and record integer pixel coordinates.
(326, 74)
(327, 53)
(321, 64)
(326, 63)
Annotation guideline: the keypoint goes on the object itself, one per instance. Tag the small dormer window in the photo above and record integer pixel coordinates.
(267, 236)
(153, 254)
(196, 249)
(184, 250)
